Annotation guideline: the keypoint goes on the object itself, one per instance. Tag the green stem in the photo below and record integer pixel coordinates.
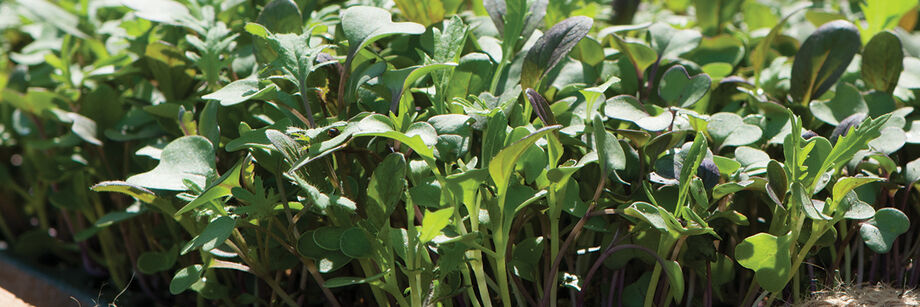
(554, 217)
(501, 247)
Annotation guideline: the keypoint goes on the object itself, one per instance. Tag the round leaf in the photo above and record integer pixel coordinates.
(185, 278)
(186, 158)
(880, 231)
(769, 257)
(354, 243)
(677, 88)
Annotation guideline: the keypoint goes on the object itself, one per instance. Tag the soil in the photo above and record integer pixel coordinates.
(877, 295)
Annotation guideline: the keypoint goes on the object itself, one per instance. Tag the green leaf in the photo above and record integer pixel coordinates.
(847, 146)
(854, 208)
(152, 262)
(138, 192)
(554, 45)
(678, 89)
(432, 223)
(385, 189)
(221, 188)
(363, 25)
(769, 257)
(670, 43)
(501, 166)
(379, 125)
(337, 282)
(329, 237)
(777, 181)
(213, 235)
(118, 216)
(184, 278)
(882, 62)
(541, 106)
(649, 117)
(354, 243)
(822, 59)
(883, 15)
(608, 148)
(657, 217)
(847, 101)
(847, 184)
(689, 166)
(281, 16)
(911, 171)
(880, 232)
(801, 199)
(425, 12)
(400, 80)
(186, 158)
(729, 129)
(239, 91)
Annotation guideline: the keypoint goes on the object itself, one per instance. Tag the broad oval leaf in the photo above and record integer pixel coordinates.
(184, 278)
(846, 102)
(729, 129)
(186, 158)
(153, 262)
(386, 187)
(678, 89)
(769, 257)
(648, 117)
(880, 231)
(363, 25)
(822, 59)
(354, 243)
(213, 235)
(882, 61)
(555, 44)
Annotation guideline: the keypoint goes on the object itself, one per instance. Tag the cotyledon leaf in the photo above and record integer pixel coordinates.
(769, 257)
(882, 61)
(822, 59)
(363, 25)
(555, 44)
(186, 158)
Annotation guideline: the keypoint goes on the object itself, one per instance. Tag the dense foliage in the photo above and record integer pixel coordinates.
(454, 152)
